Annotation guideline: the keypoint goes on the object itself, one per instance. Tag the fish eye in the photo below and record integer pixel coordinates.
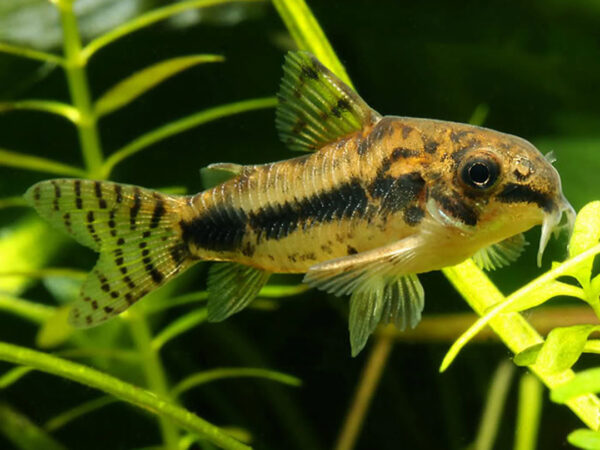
(480, 173)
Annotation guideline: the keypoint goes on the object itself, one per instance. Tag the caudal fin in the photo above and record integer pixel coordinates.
(135, 230)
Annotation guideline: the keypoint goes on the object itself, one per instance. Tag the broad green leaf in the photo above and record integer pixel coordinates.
(584, 438)
(528, 356)
(23, 433)
(142, 81)
(56, 330)
(584, 382)
(586, 234)
(563, 347)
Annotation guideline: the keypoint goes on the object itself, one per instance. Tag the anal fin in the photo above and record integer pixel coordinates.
(500, 254)
(231, 287)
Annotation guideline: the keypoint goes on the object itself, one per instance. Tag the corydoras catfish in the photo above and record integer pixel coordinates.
(373, 202)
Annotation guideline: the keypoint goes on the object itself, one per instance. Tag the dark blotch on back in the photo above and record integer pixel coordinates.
(455, 207)
(431, 146)
(397, 192)
(517, 193)
(382, 129)
(401, 152)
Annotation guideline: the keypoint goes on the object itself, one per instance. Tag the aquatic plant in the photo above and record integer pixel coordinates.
(113, 350)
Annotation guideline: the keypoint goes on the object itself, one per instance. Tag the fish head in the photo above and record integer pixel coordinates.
(505, 184)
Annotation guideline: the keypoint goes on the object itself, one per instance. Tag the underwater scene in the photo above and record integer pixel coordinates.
(299, 224)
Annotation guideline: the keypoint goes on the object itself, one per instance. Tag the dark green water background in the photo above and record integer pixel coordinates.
(534, 64)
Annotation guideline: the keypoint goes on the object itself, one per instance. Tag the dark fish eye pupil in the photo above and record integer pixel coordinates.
(479, 173)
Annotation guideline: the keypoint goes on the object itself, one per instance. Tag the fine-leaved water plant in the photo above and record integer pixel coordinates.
(550, 360)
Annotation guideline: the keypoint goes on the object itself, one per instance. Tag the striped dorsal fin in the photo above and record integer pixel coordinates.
(316, 107)
(134, 229)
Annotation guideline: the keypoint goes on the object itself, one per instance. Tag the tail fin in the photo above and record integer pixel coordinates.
(135, 230)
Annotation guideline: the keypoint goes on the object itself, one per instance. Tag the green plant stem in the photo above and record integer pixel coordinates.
(24, 433)
(31, 54)
(178, 327)
(49, 106)
(79, 89)
(72, 414)
(155, 375)
(365, 390)
(201, 378)
(492, 413)
(34, 312)
(481, 294)
(148, 19)
(308, 35)
(180, 125)
(141, 398)
(22, 161)
(529, 412)
(530, 295)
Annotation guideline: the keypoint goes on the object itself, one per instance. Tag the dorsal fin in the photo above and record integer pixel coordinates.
(316, 107)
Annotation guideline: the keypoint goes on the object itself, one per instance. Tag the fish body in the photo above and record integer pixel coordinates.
(375, 202)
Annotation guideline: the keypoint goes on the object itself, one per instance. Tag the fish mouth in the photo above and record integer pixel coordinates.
(553, 222)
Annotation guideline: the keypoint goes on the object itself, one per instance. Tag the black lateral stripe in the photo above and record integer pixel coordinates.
(213, 230)
(516, 193)
(159, 211)
(135, 209)
(78, 201)
(36, 193)
(340, 202)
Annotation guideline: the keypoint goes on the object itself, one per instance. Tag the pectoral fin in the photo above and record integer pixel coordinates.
(231, 287)
(388, 299)
(381, 285)
(315, 107)
(500, 254)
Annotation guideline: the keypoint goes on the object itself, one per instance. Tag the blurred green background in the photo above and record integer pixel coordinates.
(531, 68)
